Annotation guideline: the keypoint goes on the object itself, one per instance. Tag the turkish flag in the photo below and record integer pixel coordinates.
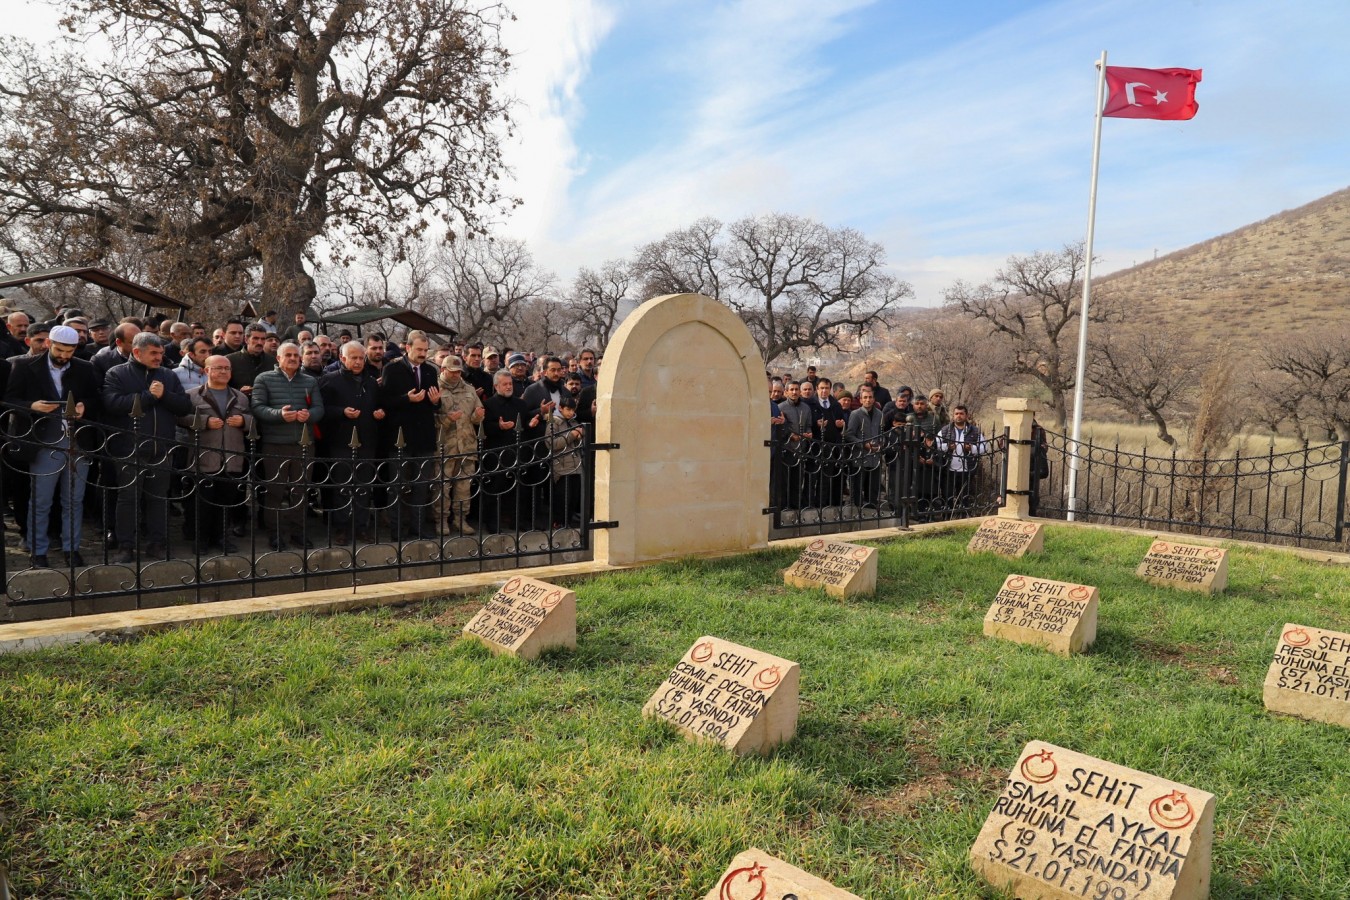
(1151, 93)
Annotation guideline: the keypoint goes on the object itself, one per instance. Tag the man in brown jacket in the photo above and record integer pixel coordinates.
(457, 423)
(221, 417)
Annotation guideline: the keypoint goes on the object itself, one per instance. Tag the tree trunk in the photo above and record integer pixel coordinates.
(286, 286)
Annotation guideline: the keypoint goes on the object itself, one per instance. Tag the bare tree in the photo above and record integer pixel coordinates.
(1313, 379)
(483, 286)
(541, 325)
(1032, 302)
(596, 299)
(796, 283)
(959, 356)
(687, 261)
(230, 135)
(1145, 372)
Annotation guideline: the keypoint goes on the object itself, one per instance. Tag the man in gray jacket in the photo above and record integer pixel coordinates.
(285, 402)
(864, 435)
(798, 423)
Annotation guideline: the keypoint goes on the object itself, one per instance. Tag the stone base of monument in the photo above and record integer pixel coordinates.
(1056, 615)
(1186, 567)
(1310, 675)
(525, 618)
(755, 873)
(1011, 538)
(843, 570)
(1069, 826)
(731, 695)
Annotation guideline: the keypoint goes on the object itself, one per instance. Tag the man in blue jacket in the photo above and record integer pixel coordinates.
(140, 447)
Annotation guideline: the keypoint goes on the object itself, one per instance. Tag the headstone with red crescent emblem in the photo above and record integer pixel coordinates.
(1013, 538)
(1056, 615)
(844, 570)
(1310, 676)
(755, 875)
(1187, 567)
(526, 617)
(1069, 825)
(741, 698)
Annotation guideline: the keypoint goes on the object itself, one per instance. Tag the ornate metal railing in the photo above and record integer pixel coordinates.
(1291, 497)
(907, 476)
(172, 520)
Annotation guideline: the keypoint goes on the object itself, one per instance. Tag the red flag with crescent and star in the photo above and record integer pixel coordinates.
(1151, 93)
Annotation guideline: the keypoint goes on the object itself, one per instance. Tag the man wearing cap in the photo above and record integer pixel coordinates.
(457, 426)
(520, 373)
(492, 361)
(140, 447)
(40, 387)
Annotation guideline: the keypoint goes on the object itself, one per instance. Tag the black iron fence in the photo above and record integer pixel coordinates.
(96, 513)
(905, 476)
(1291, 497)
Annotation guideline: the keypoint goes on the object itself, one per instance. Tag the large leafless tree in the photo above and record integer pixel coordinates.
(596, 299)
(955, 354)
(1146, 373)
(1312, 380)
(1033, 302)
(796, 283)
(483, 289)
(231, 134)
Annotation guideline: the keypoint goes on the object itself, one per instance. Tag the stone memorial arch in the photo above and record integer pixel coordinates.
(682, 393)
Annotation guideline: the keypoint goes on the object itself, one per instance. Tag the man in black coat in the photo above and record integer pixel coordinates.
(511, 431)
(410, 397)
(39, 390)
(350, 406)
(140, 448)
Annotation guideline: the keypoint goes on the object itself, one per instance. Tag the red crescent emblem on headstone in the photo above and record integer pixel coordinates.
(1039, 768)
(1016, 583)
(702, 652)
(1079, 593)
(1158, 547)
(1297, 637)
(1030, 528)
(510, 586)
(767, 678)
(816, 545)
(860, 554)
(1172, 811)
(1213, 553)
(753, 872)
(552, 599)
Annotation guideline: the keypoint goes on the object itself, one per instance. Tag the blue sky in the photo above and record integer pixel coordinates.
(954, 133)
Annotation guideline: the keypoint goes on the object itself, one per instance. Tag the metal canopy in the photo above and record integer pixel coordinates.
(406, 317)
(101, 277)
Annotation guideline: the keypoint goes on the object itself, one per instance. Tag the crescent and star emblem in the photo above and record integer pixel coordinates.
(702, 652)
(753, 872)
(1159, 97)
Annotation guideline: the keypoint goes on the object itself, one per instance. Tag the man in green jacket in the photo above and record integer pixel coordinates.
(287, 404)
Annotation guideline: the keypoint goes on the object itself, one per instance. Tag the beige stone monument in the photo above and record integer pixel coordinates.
(1072, 826)
(722, 692)
(1056, 615)
(1185, 566)
(1018, 413)
(1012, 538)
(755, 873)
(1310, 676)
(682, 395)
(844, 570)
(526, 617)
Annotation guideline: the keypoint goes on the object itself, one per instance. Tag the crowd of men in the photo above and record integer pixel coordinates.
(866, 448)
(251, 428)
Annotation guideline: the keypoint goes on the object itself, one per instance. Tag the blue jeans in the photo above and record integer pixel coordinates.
(54, 469)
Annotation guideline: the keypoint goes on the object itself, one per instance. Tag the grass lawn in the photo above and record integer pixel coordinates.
(379, 754)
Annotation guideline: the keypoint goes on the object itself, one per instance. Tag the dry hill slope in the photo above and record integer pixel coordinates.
(1287, 272)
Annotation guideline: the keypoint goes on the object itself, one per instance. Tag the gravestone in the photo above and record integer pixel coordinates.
(842, 569)
(1012, 538)
(755, 873)
(526, 617)
(1057, 615)
(1072, 826)
(1310, 676)
(722, 692)
(1185, 566)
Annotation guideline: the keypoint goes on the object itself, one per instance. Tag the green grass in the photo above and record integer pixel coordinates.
(379, 754)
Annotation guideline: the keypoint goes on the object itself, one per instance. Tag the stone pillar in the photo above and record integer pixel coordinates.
(1017, 415)
(682, 392)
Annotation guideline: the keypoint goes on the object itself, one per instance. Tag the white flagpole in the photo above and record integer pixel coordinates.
(1080, 374)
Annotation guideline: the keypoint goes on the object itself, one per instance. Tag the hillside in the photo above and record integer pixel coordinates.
(1287, 272)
